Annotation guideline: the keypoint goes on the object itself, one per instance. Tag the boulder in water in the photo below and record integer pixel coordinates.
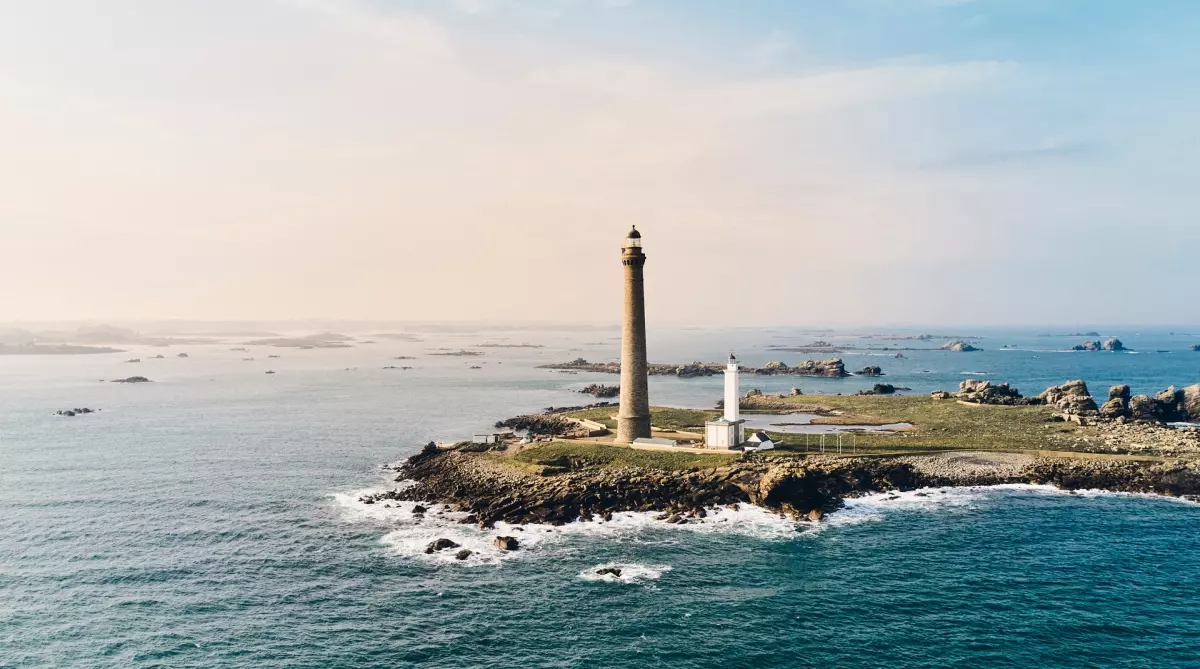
(463, 554)
(440, 545)
(506, 543)
(606, 571)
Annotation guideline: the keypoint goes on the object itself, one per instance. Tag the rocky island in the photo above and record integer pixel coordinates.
(990, 435)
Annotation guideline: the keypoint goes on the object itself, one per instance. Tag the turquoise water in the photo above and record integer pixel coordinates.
(209, 519)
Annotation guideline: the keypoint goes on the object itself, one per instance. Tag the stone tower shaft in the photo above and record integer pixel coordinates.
(633, 418)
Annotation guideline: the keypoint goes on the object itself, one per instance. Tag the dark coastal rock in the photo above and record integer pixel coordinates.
(879, 389)
(1071, 397)
(870, 370)
(1196, 347)
(940, 395)
(418, 509)
(832, 368)
(985, 392)
(1119, 391)
(132, 379)
(601, 390)
(440, 545)
(463, 554)
(1142, 407)
(958, 346)
(1088, 346)
(539, 424)
(609, 571)
(181, 355)
(795, 392)
(506, 543)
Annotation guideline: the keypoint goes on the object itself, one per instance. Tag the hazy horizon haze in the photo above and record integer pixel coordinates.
(824, 164)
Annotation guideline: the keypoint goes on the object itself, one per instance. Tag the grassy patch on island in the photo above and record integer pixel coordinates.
(576, 455)
(937, 424)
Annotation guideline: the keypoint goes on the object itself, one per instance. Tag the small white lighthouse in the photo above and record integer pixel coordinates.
(729, 430)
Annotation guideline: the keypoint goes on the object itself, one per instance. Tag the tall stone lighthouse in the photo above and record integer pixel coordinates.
(633, 419)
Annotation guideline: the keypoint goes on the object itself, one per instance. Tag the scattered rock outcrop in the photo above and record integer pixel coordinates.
(1113, 344)
(1071, 398)
(879, 389)
(609, 571)
(870, 370)
(985, 392)
(958, 346)
(74, 412)
(1167, 406)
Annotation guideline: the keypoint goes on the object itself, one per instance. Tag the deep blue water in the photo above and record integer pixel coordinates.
(209, 520)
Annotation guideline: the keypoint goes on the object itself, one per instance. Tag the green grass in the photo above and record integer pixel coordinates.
(664, 418)
(937, 424)
(574, 455)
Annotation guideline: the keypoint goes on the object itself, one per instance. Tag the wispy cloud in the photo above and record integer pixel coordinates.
(1052, 150)
(770, 50)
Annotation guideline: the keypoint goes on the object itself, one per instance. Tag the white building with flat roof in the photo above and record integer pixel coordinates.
(728, 431)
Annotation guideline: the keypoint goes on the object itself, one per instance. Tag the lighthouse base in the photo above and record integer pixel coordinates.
(632, 427)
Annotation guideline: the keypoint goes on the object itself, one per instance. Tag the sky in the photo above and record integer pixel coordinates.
(789, 162)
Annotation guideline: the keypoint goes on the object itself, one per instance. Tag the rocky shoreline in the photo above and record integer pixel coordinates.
(491, 490)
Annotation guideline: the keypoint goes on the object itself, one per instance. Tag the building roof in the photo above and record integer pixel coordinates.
(759, 436)
(634, 234)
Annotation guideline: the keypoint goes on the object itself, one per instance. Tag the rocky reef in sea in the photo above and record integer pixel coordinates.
(833, 367)
(958, 346)
(1112, 344)
(601, 390)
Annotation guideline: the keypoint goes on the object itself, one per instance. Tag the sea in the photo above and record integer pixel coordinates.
(211, 519)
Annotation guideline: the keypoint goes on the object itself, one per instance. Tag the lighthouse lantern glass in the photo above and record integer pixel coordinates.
(633, 243)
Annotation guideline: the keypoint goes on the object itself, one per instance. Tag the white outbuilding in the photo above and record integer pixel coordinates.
(759, 441)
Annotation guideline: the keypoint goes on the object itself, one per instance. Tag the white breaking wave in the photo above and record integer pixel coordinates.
(410, 535)
(631, 572)
(876, 506)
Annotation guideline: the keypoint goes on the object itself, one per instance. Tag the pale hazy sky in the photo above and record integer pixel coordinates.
(789, 162)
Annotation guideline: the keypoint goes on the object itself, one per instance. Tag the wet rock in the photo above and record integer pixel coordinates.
(795, 392)
(601, 390)
(463, 554)
(506, 543)
(419, 509)
(606, 571)
(816, 515)
(871, 370)
(1113, 344)
(440, 545)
